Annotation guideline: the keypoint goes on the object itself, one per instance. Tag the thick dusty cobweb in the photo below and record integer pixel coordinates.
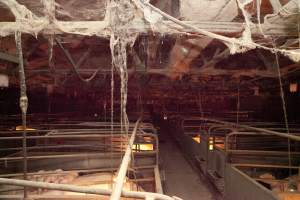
(117, 17)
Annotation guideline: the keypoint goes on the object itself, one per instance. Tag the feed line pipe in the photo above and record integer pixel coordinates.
(117, 189)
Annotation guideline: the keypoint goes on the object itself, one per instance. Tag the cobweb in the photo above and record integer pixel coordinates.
(119, 16)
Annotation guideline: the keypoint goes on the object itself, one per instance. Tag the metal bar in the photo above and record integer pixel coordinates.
(117, 189)
(262, 130)
(256, 152)
(68, 136)
(271, 180)
(55, 147)
(150, 167)
(62, 172)
(75, 155)
(53, 197)
(265, 166)
(81, 189)
(158, 185)
(251, 134)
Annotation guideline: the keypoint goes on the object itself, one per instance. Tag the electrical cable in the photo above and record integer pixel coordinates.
(284, 109)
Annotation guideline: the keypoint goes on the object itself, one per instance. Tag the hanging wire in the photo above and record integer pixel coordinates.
(200, 103)
(258, 12)
(23, 104)
(237, 112)
(105, 111)
(112, 123)
(140, 102)
(283, 107)
(238, 106)
(50, 49)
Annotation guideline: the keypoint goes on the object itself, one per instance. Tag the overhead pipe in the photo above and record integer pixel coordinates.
(117, 190)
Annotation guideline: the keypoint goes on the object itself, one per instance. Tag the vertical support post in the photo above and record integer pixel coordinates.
(23, 103)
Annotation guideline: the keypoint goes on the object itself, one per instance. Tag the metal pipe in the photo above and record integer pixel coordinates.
(117, 190)
(150, 167)
(265, 166)
(71, 136)
(117, 129)
(89, 147)
(285, 135)
(82, 189)
(76, 155)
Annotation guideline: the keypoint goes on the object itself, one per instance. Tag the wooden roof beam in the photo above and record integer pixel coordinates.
(101, 28)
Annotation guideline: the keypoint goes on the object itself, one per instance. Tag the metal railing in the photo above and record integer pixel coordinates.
(237, 145)
(48, 140)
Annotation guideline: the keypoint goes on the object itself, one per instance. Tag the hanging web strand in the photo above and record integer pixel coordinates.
(121, 14)
(23, 103)
(284, 110)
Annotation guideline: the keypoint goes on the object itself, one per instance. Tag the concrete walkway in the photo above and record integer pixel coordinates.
(181, 179)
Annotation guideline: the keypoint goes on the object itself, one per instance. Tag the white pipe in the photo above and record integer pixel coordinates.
(82, 189)
(117, 190)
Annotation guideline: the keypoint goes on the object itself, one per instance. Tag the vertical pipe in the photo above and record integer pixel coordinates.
(23, 103)
(117, 190)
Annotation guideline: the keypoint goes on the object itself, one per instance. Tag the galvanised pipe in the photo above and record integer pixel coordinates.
(117, 190)
(83, 189)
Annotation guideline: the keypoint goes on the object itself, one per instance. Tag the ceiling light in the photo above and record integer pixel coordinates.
(4, 80)
(293, 87)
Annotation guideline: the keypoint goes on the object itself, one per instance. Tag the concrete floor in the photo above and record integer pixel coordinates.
(181, 179)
